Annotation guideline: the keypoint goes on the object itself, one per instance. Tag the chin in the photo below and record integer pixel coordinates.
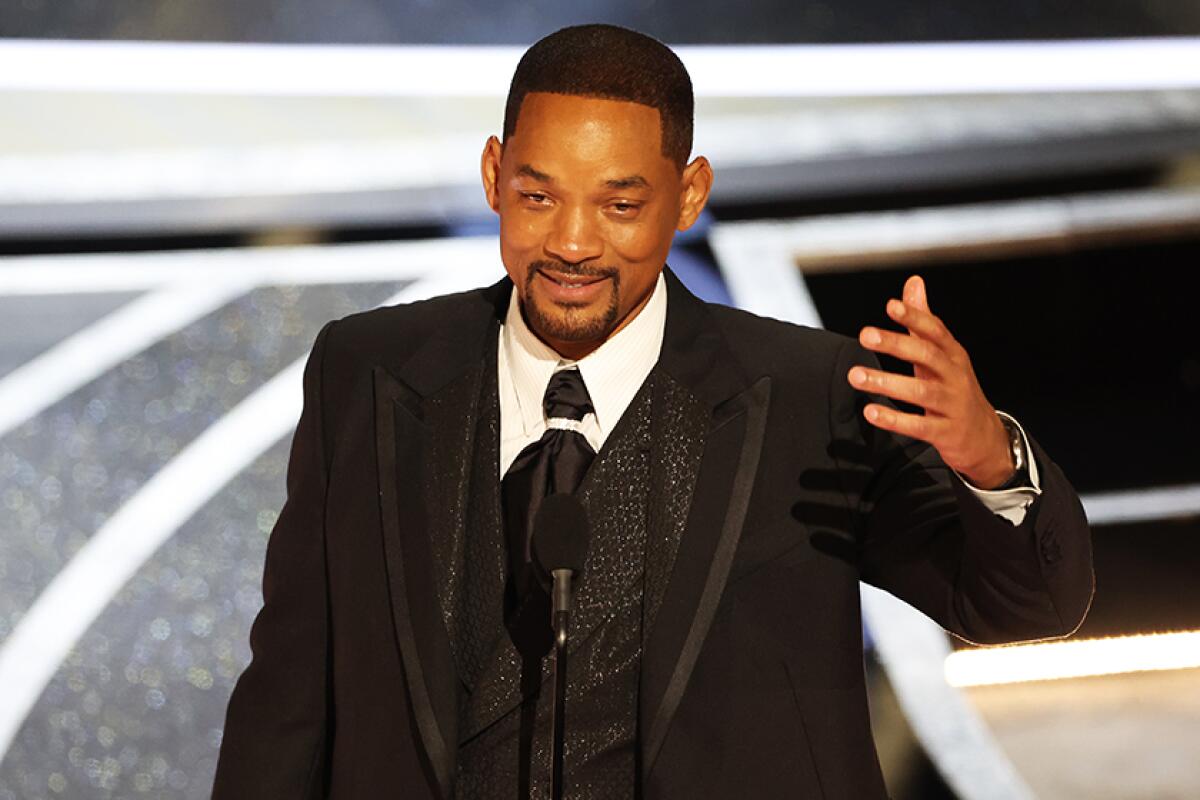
(575, 324)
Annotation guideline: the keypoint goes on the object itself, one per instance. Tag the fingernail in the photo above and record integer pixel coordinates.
(872, 413)
(896, 307)
(871, 336)
(858, 376)
(912, 289)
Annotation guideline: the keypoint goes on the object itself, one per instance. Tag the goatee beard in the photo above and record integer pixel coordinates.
(571, 323)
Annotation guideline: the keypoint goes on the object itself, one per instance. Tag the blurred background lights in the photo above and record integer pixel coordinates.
(1073, 659)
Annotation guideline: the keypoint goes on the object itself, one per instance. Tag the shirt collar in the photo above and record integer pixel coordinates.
(613, 372)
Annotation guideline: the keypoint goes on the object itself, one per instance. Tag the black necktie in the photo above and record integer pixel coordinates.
(555, 463)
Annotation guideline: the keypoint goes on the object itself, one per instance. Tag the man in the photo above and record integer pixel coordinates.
(739, 482)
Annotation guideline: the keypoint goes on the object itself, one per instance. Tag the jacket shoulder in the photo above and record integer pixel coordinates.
(389, 334)
(770, 346)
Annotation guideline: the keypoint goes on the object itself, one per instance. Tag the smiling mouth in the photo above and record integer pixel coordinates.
(571, 281)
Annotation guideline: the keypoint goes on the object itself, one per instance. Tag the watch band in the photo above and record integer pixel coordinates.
(1020, 476)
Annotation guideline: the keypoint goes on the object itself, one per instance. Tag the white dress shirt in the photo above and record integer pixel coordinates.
(613, 373)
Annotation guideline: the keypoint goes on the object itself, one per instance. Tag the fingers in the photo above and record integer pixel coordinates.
(923, 427)
(906, 347)
(914, 292)
(916, 391)
(925, 324)
(943, 384)
(914, 314)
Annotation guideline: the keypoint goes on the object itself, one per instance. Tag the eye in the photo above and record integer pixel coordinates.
(536, 198)
(625, 209)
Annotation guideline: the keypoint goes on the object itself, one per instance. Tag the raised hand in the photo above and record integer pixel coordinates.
(958, 420)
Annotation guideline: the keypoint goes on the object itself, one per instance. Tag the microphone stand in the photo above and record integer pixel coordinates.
(561, 618)
(559, 547)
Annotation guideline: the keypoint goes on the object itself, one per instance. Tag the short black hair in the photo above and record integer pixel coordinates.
(612, 63)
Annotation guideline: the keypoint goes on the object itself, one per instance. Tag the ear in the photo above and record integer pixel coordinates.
(696, 183)
(489, 169)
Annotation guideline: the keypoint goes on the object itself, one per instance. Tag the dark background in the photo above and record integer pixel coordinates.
(675, 21)
(1094, 350)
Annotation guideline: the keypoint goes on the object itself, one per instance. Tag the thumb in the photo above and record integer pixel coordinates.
(914, 292)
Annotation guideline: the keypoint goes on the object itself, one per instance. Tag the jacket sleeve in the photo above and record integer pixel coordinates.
(924, 536)
(277, 726)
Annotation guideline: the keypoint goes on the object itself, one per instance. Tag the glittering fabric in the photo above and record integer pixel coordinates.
(137, 707)
(600, 747)
(680, 430)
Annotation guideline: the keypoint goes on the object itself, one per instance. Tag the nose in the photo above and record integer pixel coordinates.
(574, 238)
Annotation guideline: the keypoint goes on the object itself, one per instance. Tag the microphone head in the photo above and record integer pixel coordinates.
(560, 534)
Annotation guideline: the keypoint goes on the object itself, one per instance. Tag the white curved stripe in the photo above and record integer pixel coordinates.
(81, 357)
(825, 242)
(82, 589)
(221, 171)
(875, 70)
(914, 651)
(758, 269)
(433, 165)
(78, 594)
(291, 265)
(728, 71)
(1142, 505)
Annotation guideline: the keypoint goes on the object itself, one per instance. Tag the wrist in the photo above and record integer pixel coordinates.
(1003, 462)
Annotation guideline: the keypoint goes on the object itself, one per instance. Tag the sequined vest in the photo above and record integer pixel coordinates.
(653, 448)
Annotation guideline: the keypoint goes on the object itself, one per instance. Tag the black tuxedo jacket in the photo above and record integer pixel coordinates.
(752, 675)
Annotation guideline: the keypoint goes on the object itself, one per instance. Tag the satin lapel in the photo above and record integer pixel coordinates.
(452, 414)
(695, 354)
(423, 427)
(402, 448)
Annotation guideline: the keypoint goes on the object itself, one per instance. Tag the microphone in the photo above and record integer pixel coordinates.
(559, 547)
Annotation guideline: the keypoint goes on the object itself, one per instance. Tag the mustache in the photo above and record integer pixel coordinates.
(573, 270)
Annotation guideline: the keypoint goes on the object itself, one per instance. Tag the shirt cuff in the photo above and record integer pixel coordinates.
(1011, 504)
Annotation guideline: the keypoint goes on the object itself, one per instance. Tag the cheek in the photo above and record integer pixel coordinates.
(520, 231)
(520, 242)
(649, 241)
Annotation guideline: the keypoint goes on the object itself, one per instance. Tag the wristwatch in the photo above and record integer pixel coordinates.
(1016, 441)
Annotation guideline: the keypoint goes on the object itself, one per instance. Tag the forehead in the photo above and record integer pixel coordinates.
(571, 130)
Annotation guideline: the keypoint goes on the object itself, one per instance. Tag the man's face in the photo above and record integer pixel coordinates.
(588, 207)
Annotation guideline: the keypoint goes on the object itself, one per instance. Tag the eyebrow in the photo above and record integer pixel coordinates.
(628, 182)
(631, 182)
(527, 171)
